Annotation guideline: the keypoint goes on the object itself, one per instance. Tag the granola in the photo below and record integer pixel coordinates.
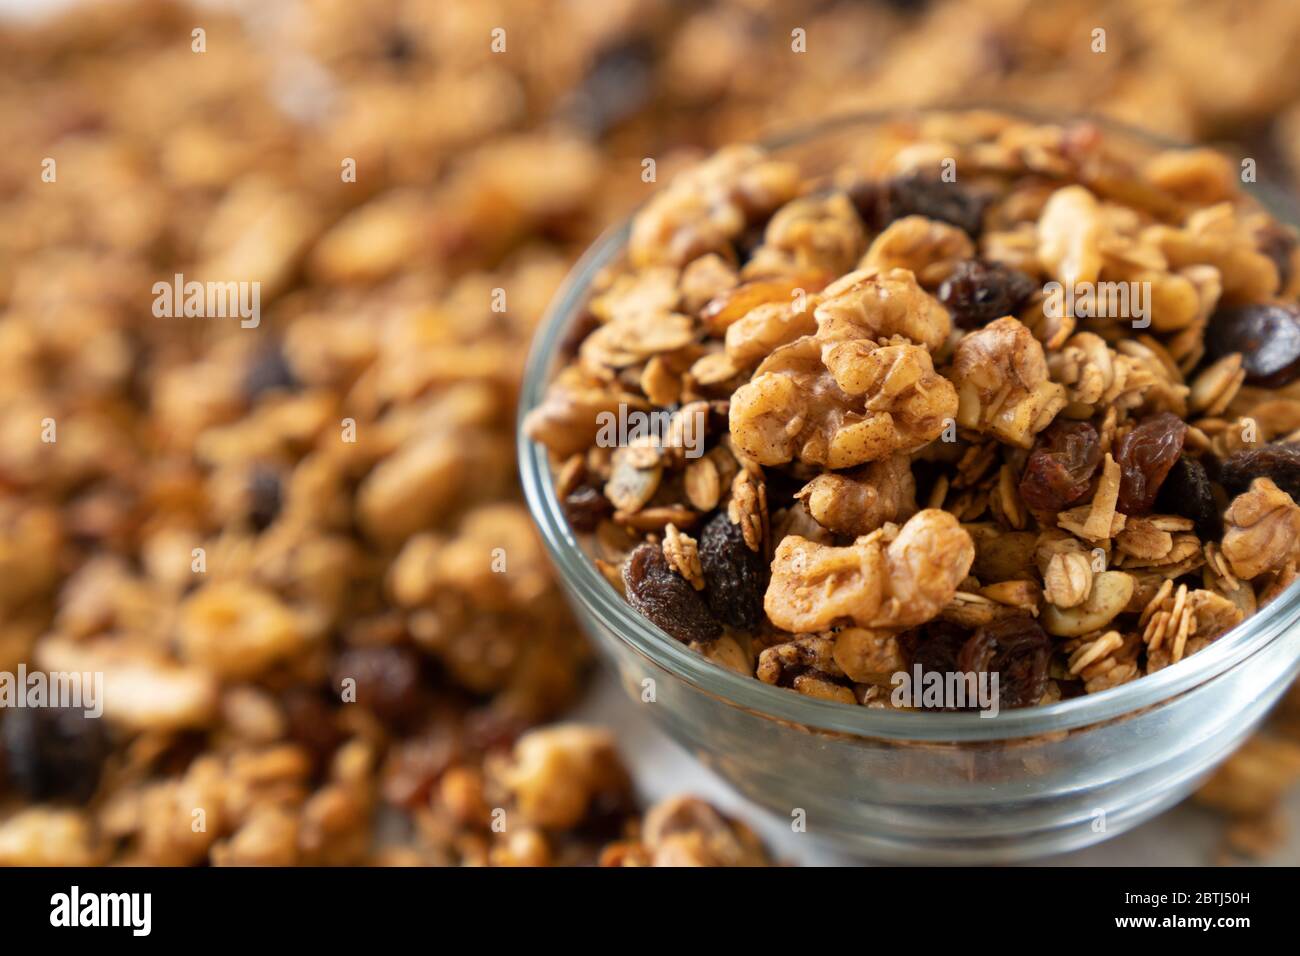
(926, 437)
(475, 172)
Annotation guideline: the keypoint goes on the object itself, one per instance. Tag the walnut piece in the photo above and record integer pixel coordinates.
(794, 407)
(703, 209)
(860, 389)
(557, 772)
(806, 665)
(766, 328)
(812, 232)
(892, 578)
(875, 305)
(1002, 383)
(868, 656)
(860, 501)
(686, 831)
(926, 247)
(237, 630)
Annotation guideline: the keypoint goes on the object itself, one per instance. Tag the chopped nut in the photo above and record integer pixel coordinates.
(686, 831)
(702, 210)
(807, 665)
(237, 631)
(860, 501)
(868, 657)
(557, 772)
(764, 329)
(1002, 383)
(1111, 591)
(888, 579)
(877, 305)
(1069, 232)
(810, 233)
(928, 249)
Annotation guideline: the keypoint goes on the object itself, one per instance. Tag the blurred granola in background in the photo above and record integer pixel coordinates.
(232, 523)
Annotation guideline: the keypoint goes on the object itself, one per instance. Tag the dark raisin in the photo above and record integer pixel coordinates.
(925, 194)
(934, 646)
(1018, 651)
(387, 680)
(577, 333)
(978, 292)
(53, 753)
(265, 497)
(748, 241)
(585, 506)
(1186, 491)
(666, 598)
(1266, 334)
(607, 815)
(311, 722)
(1145, 455)
(618, 84)
(1278, 243)
(414, 764)
(1279, 461)
(869, 198)
(735, 577)
(1059, 470)
(269, 371)
(398, 47)
(491, 728)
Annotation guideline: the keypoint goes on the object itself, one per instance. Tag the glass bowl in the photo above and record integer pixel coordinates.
(920, 787)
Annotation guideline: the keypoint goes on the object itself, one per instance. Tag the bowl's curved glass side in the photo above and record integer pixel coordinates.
(604, 607)
(916, 802)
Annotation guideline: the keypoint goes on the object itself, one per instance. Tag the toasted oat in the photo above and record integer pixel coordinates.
(748, 508)
(1067, 582)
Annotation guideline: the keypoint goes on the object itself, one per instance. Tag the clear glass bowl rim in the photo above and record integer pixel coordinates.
(601, 600)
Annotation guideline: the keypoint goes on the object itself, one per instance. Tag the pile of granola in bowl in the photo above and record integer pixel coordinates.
(956, 393)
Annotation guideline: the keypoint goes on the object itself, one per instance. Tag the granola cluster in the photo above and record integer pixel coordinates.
(1035, 418)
